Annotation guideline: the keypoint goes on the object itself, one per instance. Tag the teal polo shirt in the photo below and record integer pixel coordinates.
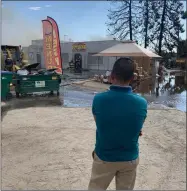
(120, 115)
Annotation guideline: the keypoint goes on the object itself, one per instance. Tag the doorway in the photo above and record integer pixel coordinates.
(78, 62)
(78, 57)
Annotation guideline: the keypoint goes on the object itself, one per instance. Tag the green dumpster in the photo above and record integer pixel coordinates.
(37, 83)
(6, 80)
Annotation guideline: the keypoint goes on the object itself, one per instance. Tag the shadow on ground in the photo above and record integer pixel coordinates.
(30, 101)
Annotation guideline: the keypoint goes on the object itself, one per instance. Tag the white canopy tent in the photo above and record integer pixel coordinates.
(127, 49)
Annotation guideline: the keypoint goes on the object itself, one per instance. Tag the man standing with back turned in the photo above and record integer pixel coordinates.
(119, 115)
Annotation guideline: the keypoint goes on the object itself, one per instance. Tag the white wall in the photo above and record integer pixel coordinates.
(92, 47)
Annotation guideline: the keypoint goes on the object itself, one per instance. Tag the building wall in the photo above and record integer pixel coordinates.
(37, 42)
(34, 52)
(88, 61)
(66, 50)
(96, 63)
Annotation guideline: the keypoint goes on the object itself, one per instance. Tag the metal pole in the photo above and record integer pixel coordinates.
(186, 21)
(98, 62)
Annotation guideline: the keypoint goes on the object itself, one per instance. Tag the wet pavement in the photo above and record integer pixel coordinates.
(167, 92)
(73, 96)
(170, 91)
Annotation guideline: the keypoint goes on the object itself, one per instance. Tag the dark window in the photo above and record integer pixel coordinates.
(38, 58)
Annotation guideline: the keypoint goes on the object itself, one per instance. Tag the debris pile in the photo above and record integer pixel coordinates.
(139, 75)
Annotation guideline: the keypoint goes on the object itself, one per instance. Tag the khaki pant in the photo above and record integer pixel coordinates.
(103, 172)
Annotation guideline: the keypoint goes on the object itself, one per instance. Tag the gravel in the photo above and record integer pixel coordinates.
(50, 148)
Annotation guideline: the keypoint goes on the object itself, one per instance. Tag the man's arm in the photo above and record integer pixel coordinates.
(140, 134)
(94, 117)
(94, 108)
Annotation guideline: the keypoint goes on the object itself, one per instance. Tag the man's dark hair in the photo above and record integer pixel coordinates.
(123, 69)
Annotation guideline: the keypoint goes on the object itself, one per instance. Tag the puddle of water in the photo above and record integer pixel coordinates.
(170, 92)
(77, 97)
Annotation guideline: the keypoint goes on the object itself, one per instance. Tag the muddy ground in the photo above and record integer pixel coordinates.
(50, 148)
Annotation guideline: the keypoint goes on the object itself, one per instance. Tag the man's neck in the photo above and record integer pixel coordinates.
(120, 84)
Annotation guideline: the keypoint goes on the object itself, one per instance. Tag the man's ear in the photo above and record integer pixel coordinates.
(112, 76)
(132, 77)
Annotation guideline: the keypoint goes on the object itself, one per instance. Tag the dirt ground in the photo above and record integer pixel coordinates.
(50, 148)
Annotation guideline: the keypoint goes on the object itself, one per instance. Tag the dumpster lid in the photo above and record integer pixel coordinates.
(46, 70)
(41, 71)
(52, 70)
(31, 66)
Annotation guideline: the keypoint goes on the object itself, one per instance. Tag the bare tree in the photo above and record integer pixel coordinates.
(168, 27)
(124, 19)
(148, 21)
